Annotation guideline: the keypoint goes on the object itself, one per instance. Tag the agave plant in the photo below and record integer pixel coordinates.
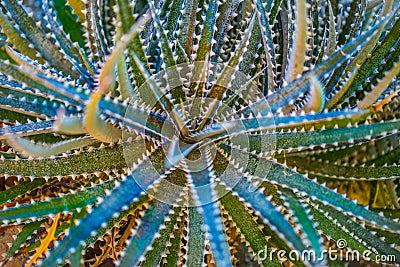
(194, 132)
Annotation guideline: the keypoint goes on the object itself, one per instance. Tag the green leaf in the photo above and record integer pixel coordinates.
(150, 224)
(283, 176)
(159, 246)
(105, 158)
(135, 48)
(296, 88)
(26, 129)
(15, 37)
(267, 41)
(349, 226)
(304, 219)
(28, 108)
(45, 85)
(54, 205)
(20, 189)
(71, 49)
(50, 52)
(372, 62)
(39, 150)
(28, 229)
(304, 139)
(70, 21)
(380, 87)
(201, 178)
(249, 228)
(344, 172)
(95, 30)
(207, 30)
(188, 25)
(196, 239)
(326, 120)
(233, 178)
